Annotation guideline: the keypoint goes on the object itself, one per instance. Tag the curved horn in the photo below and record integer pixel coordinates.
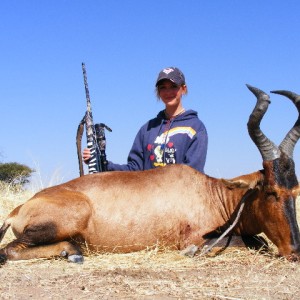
(268, 150)
(288, 144)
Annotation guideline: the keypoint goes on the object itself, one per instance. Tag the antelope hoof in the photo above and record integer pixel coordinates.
(3, 259)
(75, 258)
(189, 251)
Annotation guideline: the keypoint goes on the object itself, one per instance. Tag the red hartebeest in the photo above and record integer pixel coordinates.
(174, 205)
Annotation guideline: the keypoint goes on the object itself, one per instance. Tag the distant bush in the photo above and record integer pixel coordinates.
(15, 174)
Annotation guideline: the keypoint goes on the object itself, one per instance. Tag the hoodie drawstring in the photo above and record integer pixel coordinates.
(167, 129)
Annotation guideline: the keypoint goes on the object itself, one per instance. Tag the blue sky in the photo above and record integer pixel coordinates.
(219, 45)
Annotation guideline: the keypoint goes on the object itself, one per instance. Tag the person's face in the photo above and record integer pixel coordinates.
(170, 93)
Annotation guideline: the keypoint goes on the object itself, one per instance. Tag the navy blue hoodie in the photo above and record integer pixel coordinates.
(182, 140)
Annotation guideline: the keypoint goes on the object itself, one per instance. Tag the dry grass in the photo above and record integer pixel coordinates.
(153, 274)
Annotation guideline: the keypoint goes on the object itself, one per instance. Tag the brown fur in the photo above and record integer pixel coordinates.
(174, 206)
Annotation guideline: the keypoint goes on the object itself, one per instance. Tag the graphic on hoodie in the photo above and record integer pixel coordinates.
(164, 150)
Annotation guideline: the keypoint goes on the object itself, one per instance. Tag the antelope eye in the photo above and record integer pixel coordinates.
(272, 194)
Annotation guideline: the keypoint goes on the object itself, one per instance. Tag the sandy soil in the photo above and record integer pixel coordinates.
(235, 274)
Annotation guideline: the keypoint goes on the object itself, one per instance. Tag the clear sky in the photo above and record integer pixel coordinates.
(219, 45)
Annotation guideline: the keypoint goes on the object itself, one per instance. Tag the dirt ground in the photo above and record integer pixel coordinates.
(234, 274)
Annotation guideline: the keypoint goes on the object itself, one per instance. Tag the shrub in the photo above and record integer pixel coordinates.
(15, 173)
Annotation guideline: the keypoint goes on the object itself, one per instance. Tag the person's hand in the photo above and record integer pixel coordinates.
(86, 155)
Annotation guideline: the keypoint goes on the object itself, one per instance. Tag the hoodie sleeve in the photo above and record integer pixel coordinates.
(196, 154)
(135, 158)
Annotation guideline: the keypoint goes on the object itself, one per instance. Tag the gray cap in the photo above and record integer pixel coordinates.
(173, 74)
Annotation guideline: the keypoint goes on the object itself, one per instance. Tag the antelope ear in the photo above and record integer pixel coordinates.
(250, 181)
(236, 183)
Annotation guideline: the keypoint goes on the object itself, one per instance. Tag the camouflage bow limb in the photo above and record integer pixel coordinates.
(95, 135)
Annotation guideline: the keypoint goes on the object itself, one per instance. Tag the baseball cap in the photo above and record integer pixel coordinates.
(173, 74)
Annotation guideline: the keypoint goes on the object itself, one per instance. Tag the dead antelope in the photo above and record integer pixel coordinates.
(175, 205)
